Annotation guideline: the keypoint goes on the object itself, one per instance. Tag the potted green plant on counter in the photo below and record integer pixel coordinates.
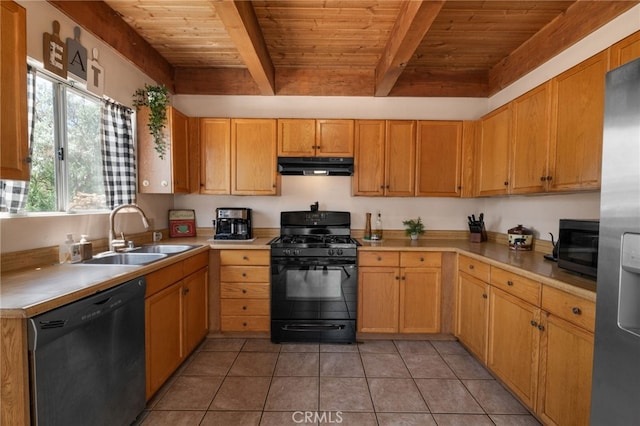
(156, 98)
(414, 227)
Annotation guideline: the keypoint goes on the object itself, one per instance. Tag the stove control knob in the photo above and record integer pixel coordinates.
(297, 252)
(330, 252)
(339, 252)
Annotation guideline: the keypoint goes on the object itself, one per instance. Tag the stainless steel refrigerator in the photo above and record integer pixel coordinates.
(615, 397)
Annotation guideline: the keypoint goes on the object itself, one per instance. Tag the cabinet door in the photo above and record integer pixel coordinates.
(215, 156)
(368, 176)
(531, 135)
(400, 158)
(179, 151)
(439, 158)
(514, 341)
(196, 319)
(576, 148)
(626, 50)
(253, 157)
(14, 150)
(566, 360)
(164, 334)
(493, 153)
(420, 300)
(472, 314)
(334, 138)
(296, 138)
(378, 299)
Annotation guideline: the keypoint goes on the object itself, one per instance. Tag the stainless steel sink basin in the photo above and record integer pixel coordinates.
(125, 259)
(164, 248)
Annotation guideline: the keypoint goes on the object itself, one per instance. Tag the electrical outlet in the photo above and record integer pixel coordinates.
(157, 236)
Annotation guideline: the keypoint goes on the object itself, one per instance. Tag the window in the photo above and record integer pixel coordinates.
(66, 171)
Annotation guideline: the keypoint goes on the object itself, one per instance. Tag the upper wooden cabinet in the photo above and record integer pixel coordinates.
(215, 156)
(334, 138)
(385, 158)
(169, 174)
(577, 125)
(14, 150)
(493, 152)
(625, 50)
(254, 157)
(531, 137)
(296, 137)
(439, 153)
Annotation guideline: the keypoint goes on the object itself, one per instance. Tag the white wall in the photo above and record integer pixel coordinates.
(121, 79)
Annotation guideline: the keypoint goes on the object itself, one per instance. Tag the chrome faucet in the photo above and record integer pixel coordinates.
(116, 244)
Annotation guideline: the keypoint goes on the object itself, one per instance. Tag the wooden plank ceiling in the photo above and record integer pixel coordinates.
(448, 48)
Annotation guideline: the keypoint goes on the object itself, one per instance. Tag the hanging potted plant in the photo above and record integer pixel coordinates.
(413, 227)
(156, 98)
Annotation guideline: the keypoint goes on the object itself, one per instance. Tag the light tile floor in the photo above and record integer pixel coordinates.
(375, 382)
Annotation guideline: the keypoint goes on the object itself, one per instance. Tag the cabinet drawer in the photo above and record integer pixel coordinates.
(379, 258)
(517, 285)
(248, 323)
(196, 262)
(574, 309)
(474, 267)
(420, 259)
(245, 307)
(163, 278)
(244, 274)
(245, 257)
(244, 291)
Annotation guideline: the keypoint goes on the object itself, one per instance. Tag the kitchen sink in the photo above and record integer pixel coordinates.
(164, 248)
(125, 259)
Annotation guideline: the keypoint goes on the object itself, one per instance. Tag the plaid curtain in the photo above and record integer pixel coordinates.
(13, 193)
(118, 155)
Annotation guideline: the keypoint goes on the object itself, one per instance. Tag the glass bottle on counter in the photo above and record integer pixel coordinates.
(376, 234)
(367, 227)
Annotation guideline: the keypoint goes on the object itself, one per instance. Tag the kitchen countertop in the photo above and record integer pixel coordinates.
(30, 292)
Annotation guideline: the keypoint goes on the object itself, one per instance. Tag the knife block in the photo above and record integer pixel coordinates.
(478, 237)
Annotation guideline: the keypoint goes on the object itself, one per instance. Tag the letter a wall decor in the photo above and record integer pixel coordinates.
(77, 56)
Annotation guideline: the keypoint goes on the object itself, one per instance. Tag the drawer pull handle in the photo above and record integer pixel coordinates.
(533, 323)
(540, 327)
(470, 266)
(576, 310)
(509, 283)
(244, 308)
(244, 291)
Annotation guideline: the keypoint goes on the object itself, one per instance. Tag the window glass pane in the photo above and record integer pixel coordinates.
(83, 160)
(42, 186)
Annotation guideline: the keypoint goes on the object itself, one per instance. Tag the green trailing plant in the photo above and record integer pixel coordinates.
(413, 227)
(157, 99)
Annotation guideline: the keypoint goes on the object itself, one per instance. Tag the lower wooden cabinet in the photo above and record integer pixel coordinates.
(399, 292)
(514, 341)
(176, 309)
(472, 314)
(245, 290)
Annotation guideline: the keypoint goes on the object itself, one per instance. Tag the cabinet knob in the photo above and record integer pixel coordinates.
(484, 295)
(470, 266)
(244, 324)
(145, 183)
(185, 291)
(164, 183)
(245, 258)
(422, 259)
(244, 308)
(397, 278)
(549, 177)
(404, 278)
(506, 183)
(379, 259)
(540, 327)
(576, 310)
(533, 323)
(381, 186)
(244, 291)
(509, 283)
(244, 274)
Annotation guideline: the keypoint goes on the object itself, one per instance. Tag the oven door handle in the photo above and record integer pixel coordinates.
(312, 327)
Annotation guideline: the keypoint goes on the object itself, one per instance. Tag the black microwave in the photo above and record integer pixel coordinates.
(578, 246)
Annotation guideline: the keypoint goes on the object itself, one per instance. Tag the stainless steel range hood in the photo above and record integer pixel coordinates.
(315, 166)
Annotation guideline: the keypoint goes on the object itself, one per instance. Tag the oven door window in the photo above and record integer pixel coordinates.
(315, 283)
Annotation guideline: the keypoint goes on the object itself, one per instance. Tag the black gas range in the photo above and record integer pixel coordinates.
(314, 278)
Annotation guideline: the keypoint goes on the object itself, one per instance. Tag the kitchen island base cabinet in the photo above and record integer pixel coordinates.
(176, 309)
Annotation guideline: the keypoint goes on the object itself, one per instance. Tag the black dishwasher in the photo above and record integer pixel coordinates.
(87, 359)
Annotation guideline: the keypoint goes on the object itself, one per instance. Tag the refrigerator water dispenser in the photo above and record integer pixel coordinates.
(629, 302)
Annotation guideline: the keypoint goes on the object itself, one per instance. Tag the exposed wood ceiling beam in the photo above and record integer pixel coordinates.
(103, 22)
(241, 23)
(582, 18)
(410, 27)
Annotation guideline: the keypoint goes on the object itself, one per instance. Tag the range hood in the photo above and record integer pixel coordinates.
(315, 166)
